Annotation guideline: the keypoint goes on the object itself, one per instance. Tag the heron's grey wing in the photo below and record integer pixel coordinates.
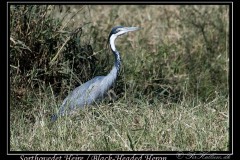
(83, 95)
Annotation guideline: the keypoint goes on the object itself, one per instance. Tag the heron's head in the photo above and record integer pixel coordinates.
(120, 30)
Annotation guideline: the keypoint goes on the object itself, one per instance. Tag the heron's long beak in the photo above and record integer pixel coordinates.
(129, 29)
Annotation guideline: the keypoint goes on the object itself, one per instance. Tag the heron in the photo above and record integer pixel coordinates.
(96, 88)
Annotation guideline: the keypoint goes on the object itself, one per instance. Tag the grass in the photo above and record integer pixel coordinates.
(172, 93)
(128, 124)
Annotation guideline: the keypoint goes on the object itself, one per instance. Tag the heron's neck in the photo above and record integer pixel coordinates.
(117, 62)
(111, 77)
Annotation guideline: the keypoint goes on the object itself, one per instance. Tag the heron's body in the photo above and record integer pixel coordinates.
(95, 89)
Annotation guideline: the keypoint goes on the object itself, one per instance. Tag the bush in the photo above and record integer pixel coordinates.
(44, 50)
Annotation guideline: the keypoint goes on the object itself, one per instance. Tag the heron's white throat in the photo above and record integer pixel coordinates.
(112, 39)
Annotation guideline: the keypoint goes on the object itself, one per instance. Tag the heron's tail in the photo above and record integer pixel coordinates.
(54, 117)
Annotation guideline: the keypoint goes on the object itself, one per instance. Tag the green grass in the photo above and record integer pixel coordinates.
(172, 93)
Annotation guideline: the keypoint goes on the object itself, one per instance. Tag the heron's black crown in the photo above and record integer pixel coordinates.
(114, 31)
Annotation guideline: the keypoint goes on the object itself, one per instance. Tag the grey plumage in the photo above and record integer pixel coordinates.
(95, 89)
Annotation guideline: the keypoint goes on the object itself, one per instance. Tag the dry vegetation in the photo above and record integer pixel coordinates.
(172, 94)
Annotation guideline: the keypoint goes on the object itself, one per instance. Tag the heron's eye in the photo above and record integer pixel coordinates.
(118, 30)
